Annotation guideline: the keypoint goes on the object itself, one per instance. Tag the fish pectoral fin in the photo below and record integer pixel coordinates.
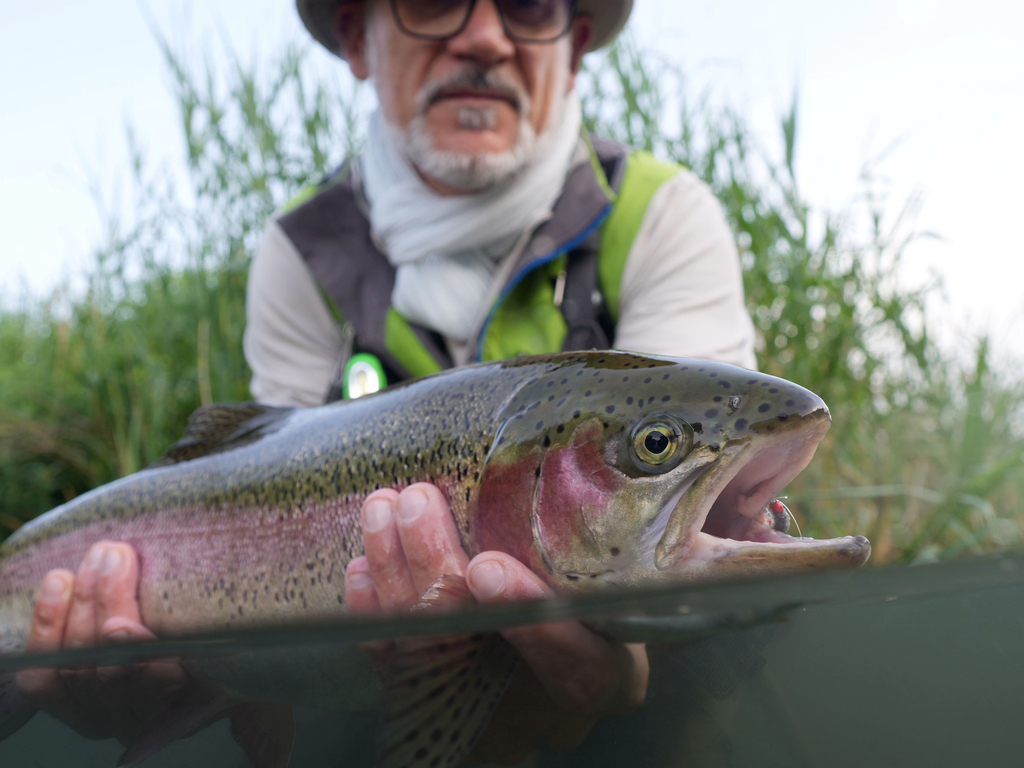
(439, 697)
(177, 723)
(223, 427)
(265, 732)
(440, 692)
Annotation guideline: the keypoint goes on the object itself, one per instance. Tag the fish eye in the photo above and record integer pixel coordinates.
(659, 442)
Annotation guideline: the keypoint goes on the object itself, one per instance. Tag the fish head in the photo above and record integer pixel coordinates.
(639, 470)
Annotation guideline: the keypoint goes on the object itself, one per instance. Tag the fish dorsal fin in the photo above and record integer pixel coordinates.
(440, 692)
(223, 427)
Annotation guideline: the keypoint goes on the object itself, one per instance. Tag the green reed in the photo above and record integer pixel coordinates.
(924, 456)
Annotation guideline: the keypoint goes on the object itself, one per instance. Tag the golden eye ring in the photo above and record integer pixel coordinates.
(659, 442)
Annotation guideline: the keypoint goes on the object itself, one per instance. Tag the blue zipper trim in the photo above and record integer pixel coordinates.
(534, 265)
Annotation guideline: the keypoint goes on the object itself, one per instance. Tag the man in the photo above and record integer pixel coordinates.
(478, 224)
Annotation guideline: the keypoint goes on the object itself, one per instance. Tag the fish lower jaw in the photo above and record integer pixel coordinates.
(712, 556)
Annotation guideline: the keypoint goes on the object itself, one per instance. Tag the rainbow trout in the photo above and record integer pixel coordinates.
(595, 469)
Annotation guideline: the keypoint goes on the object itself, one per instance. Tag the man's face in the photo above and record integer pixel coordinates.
(471, 94)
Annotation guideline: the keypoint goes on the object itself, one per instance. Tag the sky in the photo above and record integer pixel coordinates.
(938, 84)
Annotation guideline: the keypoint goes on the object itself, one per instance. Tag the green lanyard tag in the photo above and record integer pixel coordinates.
(363, 375)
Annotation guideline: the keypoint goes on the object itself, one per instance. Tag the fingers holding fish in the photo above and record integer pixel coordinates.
(430, 539)
(410, 540)
(115, 590)
(382, 544)
(98, 605)
(44, 687)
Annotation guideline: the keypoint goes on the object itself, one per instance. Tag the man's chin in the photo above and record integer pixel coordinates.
(469, 160)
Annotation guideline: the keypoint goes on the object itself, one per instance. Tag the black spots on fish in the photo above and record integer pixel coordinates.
(790, 403)
(702, 369)
(560, 429)
(783, 417)
(697, 427)
(710, 413)
(600, 381)
(648, 380)
(551, 383)
(572, 577)
(561, 402)
(540, 426)
(614, 551)
(579, 372)
(741, 424)
(752, 382)
(564, 382)
(665, 377)
(546, 442)
(765, 384)
(717, 398)
(773, 391)
(537, 473)
(725, 385)
(714, 447)
(551, 399)
(666, 398)
(576, 414)
(625, 378)
(764, 407)
(629, 401)
(609, 409)
(712, 375)
(588, 393)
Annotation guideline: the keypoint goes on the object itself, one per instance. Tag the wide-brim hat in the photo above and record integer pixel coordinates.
(609, 17)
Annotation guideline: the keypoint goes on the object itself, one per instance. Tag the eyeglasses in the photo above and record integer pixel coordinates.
(525, 21)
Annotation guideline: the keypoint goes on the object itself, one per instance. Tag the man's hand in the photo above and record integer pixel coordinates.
(572, 677)
(94, 607)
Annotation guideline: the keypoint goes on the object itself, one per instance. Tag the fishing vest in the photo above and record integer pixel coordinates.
(562, 293)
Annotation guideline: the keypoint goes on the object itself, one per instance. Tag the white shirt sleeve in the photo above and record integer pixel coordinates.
(292, 341)
(682, 287)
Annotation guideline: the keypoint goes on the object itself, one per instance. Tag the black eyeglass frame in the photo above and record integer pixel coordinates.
(573, 9)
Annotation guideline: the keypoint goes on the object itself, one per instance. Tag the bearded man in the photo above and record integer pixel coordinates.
(481, 222)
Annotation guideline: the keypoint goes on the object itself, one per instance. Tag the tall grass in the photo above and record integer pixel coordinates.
(923, 457)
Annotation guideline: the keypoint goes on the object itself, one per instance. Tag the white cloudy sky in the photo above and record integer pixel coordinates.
(945, 79)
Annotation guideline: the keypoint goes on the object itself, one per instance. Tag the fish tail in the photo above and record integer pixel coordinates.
(14, 710)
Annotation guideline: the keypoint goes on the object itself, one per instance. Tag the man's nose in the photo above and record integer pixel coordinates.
(484, 37)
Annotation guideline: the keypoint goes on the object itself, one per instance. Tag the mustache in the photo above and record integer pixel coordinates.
(478, 80)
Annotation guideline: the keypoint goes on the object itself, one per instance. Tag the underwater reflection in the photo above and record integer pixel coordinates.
(883, 667)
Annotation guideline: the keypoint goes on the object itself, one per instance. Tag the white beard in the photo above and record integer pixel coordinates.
(470, 171)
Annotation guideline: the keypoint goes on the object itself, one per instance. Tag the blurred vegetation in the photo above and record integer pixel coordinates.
(923, 457)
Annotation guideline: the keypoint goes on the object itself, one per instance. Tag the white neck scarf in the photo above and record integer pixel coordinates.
(447, 249)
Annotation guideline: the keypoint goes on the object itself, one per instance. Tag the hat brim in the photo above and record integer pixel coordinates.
(609, 16)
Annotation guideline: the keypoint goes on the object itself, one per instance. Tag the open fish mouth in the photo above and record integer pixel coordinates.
(728, 519)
